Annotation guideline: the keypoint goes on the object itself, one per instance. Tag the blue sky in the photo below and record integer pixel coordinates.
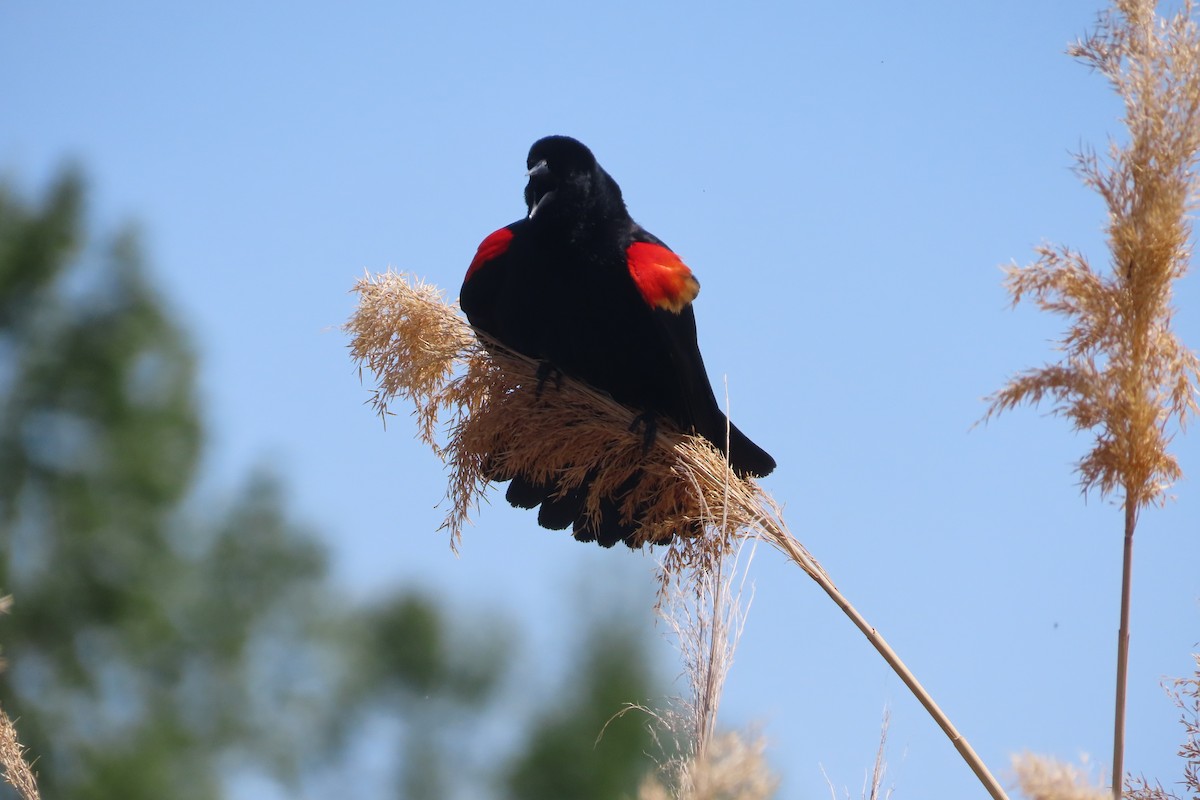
(844, 179)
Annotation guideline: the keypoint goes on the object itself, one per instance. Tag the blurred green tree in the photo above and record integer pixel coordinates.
(140, 637)
(578, 747)
(158, 650)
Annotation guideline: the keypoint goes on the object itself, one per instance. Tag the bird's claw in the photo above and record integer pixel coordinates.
(649, 425)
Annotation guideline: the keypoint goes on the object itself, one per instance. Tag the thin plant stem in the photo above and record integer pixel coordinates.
(706, 720)
(1118, 779)
(801, 556)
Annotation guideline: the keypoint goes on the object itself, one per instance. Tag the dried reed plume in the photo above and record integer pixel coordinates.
(731, 768)
(1185, 694)
(1046, 779)
(707, 615)
(706, 610)
(496, 424)
(12, 755)
(17, 772)
(1124, 375)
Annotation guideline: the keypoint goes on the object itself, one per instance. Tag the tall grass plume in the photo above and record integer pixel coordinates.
(705, 610)
(1041, 778)
(17, 771)
(1124, 375)
(1185, 694)
(485, 403)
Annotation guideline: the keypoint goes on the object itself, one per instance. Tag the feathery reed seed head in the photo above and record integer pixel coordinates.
(1046, 779)
(17, 772)
(1124, 373)
(731, 768)
(495, 424)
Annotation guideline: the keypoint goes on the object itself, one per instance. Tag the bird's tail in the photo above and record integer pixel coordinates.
(560, 510)
(746, 458)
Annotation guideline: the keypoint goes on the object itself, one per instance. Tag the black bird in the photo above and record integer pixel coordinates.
(580, 286)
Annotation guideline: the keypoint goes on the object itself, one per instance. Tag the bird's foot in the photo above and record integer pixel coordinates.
(649, 425)
(545, 372)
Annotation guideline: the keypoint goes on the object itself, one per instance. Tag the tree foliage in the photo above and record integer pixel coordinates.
(137, 631)
(580, 747)
(159, 647)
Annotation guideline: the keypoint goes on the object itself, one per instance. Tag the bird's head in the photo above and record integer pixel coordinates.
(565, 181)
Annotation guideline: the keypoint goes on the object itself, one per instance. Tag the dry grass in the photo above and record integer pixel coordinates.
(17, 771)
(1185, 694)
(731, 768)
(1124, 374)
(480, 411)
(12, 755)
(706, 610)
(1046, 779)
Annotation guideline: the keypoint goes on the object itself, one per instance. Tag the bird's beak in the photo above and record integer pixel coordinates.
(543, 200)
(538, 175)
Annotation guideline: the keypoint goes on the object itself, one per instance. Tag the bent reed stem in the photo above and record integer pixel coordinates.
(784, 540)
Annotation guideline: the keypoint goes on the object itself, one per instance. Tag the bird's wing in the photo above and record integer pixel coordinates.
(662, 278)
(668, 287)
(484, 284)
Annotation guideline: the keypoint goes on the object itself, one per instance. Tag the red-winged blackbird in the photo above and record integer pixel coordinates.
(583, 288)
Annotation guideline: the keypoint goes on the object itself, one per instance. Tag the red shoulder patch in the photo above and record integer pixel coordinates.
(492, 247)
(662, 278)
